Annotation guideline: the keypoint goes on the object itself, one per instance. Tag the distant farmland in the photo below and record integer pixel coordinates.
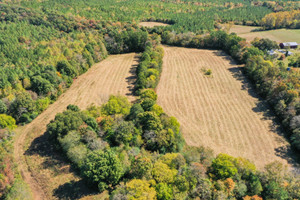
(279, 35)
(219, 111)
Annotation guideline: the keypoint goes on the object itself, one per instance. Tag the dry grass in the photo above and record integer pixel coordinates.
(45, 170)
(238, 29)
(220, 111)
(152, 24)
(279, 35)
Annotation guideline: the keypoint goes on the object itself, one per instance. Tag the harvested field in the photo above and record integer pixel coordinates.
(45, 171)
(220, 111)
(279, 35)
(152, 24)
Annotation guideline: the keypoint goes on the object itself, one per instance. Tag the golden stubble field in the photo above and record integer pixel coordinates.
(42, 168)
(219, 111)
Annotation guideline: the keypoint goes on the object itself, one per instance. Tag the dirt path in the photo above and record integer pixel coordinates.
(48, 176)
(222, 111)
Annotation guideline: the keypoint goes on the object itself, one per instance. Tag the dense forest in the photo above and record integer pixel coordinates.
(184, 17)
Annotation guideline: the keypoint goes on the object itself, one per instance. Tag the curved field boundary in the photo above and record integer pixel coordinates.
(43, 169)
(220, 111)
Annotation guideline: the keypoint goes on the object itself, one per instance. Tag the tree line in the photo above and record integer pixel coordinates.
(196, 16)
(150, 66)
(285, 19)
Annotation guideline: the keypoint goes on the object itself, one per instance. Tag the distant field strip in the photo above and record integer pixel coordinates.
(152, 24)
(279, 35)
(115, 75)
(218, 111)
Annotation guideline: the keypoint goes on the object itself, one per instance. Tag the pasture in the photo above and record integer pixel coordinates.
(41, 166)
(279, 35)
(220, 111)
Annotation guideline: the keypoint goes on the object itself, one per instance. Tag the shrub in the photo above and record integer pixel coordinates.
(208, 72)
(7, 121)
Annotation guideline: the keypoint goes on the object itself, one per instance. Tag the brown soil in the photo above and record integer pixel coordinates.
(44, 169)
(220, 111)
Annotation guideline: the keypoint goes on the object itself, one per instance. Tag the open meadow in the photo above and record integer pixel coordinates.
(41, 166)
(152, 24)
(279, 35)
(221, 110)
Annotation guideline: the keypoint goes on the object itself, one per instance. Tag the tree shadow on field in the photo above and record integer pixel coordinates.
(45, 148)
(73, 190)
(56, 162)
(262, 107)
(225, 56)
(131, 80)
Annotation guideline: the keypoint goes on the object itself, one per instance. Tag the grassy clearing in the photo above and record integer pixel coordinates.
(222, 111)
(279, 35)
(43, 168)
(152, 24)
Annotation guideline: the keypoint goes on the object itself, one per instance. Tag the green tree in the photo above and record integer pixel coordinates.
(163, 191)
(116, 105)
(223, 166)
(66, 68)
(274, 191)
(135, 110)
(102, 168)
(123, 133)
(141, 167)
(264, 44)
(162, 173)
(254, 185)
(41, 85)
(148, 93)
(140, 190)
(7, 121)
(3, 107)
(149, 121)
(21, 105)
(147, 104)
(65, 122)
